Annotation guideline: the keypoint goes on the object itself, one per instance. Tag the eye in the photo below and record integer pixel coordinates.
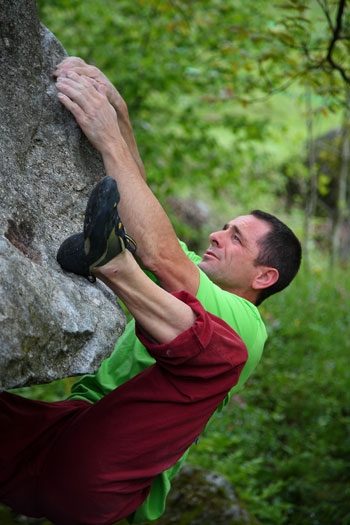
(236, 238)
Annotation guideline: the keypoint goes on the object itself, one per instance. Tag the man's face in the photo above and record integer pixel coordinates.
(229, 260)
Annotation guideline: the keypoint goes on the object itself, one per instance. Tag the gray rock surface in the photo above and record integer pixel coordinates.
(201, 497)
(52, 324)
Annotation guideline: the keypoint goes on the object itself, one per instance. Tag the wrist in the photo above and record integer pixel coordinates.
(118, 103)
(116, 155)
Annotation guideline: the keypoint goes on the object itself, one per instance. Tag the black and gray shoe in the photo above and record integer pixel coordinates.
(103, 236)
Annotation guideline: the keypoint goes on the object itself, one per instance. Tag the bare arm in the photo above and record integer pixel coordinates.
(142, 214)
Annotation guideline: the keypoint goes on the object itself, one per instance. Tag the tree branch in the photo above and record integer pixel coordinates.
(336, 30)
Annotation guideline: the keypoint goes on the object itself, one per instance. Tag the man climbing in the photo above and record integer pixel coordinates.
(111, 450)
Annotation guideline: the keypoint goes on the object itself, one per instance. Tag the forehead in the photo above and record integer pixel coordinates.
(250, 227)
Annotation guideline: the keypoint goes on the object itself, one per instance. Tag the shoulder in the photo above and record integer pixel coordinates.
(240, 314)
(194, 257)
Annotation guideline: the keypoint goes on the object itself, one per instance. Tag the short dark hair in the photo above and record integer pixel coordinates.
(280, 249)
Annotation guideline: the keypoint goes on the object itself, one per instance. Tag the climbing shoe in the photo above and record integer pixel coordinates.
(103, 236)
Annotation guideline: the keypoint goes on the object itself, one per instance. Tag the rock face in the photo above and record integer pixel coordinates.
(200, 497)
(52, 324)
(197, 497)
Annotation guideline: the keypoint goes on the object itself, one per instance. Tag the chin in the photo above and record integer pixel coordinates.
(204, 268)
(202, 265)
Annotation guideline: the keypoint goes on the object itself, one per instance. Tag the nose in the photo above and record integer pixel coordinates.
(216, 237)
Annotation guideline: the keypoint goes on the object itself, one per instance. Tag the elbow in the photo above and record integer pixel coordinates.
(148, 261)
(158, 256)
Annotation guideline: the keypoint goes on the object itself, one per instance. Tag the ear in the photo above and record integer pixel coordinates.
(265, 277)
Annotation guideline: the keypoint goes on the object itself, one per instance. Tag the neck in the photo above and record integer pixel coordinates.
(249, 294)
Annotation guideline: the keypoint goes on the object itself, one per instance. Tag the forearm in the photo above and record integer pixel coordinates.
(126, 129)
(141, 212)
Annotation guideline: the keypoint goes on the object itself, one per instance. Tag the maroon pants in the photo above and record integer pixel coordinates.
(78, 463)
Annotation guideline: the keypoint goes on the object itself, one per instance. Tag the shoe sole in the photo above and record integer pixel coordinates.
(100, 218)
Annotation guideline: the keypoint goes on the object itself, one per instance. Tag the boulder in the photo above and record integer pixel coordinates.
(52, 324)
(201, 497)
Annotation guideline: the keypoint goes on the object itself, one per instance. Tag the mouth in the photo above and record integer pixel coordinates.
(210, 254)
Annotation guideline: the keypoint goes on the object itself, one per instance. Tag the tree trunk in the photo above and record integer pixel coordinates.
(311, 200)
(341, 212)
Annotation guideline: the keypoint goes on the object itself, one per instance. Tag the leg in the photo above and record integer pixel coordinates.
(102, 467)
(28, 431)
(104, 250)
(80, 464)
(159, 314)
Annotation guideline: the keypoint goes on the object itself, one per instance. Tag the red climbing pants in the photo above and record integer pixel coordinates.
(78, 463)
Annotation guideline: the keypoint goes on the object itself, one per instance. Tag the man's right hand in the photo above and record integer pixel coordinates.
(104, 85)
(80, 67)
(86, 100)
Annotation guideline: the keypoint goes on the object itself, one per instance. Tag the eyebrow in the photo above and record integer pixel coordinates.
(236, 229)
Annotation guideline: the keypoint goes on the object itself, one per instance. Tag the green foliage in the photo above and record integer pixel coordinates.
(285, 440)
(188, 71)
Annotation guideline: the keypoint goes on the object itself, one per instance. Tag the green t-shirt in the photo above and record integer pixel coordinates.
(130, 357)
